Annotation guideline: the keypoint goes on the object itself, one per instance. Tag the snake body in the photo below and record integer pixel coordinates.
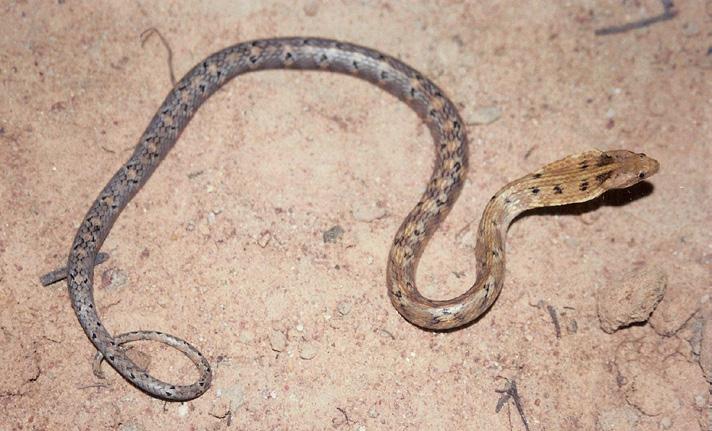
(573, 179)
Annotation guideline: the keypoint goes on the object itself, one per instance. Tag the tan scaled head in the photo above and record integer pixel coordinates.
(627, 168)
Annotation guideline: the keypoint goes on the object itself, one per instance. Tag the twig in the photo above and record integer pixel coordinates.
(343, 412)
(510, 391)
(669, 12)
(554, 319)
(146, 35)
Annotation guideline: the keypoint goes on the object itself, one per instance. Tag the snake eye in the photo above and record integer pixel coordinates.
(641, 175)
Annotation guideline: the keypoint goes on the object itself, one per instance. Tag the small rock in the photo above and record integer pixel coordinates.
(700, 401)
(211, 218)
(294, 334)
(690, 29)
(220, 408)
(632, 301)
(264, 239)
(666, 423)
(486, 115)
(235, 395)
(246, 337)
(183, 410)
(277, 341)
(308, 350)
(113, 279)
(675, 310)
(624, 418)
(311, 8)
(372, 412)
(344, 308)
(706, 347)
(368, 212)
(333, 234)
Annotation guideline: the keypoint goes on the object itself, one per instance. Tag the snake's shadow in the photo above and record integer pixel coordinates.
(615, 198)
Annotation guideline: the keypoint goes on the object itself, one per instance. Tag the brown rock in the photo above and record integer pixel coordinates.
(676, 309)
(633, 301)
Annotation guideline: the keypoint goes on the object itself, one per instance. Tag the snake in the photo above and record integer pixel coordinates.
(576, 178)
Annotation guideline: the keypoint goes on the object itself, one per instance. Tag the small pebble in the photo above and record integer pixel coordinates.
(220, 408)
(211, 217)
(666, 423)
(277, 341)
(308, 350)
(333, 234)
(368, 212)
(264, 239)
(344, 308)
(113, 279)
(294, 334)
(246, 337)
(690, 29)
(700, 401)
(486, 115)
(311, 8)
(183, 410)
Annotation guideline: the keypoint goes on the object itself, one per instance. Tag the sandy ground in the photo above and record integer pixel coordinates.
(225, 246)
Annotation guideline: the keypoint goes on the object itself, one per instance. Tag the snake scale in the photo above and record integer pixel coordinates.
(573, 179)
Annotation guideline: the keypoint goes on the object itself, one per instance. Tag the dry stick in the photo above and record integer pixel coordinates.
(146, 35)
(510, 391)
(669, 12)
(555, 319)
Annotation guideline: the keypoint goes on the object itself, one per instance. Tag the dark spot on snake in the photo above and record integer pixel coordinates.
(433, 113)
(584, 186)
(93, 336)
(558, 190)
(584, 165)
(173, 387)
(493, 197)
(288, 56)
(384, 75)
(398, 294)
(457, 166)
(98, 323)
(507, 201)
(495, 253)
(604, 160)
(132, 376)
(111, 357)
(438, 94)
(168, 393)
(323, 58)
(537, 175)
(253, 59)
(603, 177)
(355, 64)
(535, 190)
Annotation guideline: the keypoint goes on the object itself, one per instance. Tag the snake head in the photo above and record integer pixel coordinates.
(627, 168)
